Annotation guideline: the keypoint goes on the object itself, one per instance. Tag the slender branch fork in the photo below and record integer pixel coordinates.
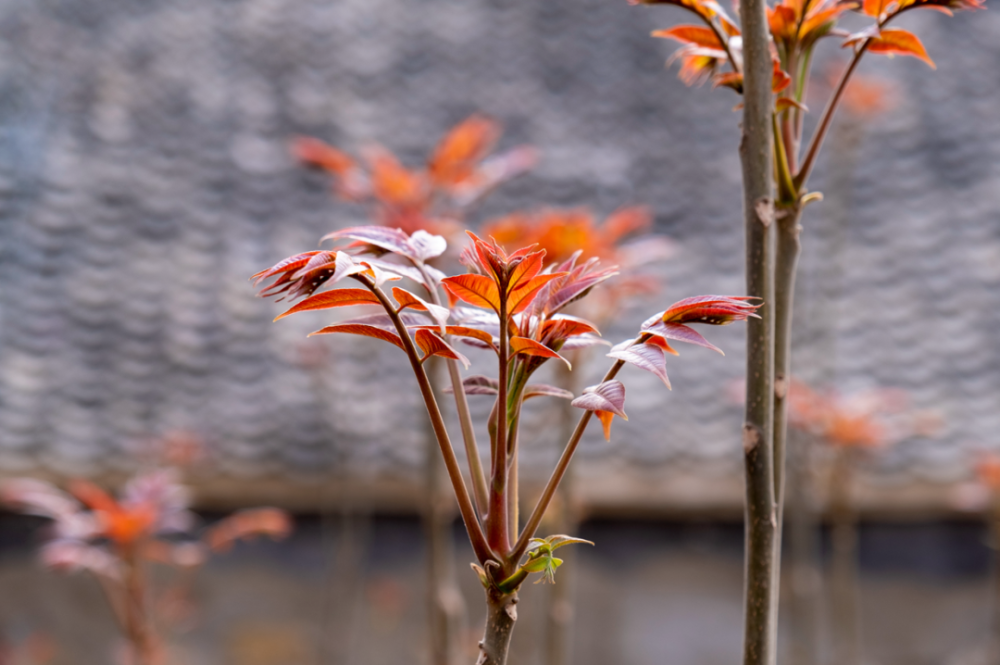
(479, 543)
(485, 549)
(462, 408)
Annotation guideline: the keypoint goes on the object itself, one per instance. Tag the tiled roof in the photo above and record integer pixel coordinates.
(144, 175)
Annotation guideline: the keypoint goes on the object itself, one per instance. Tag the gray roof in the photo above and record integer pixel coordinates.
(144, 175)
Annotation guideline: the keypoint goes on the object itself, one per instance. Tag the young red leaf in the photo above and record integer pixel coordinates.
(289, 266)
(894, 41)
(247, 524)
(298, 275)
(661, 342)
(483, 338)
(542, 390)
(477, 290)
(644, 356)
(786, 103)
(875, 8)
(606, 401)
(407, 299)
(522, 296)
(361, 329)
(691, 34)
(563, 326)
(525, 270)
(433, 345)
(712, 310)
(321, 155)
(682, 333)
(530, 347)
(458, 154)
(783, 22)
(330, 299)
(391, 240)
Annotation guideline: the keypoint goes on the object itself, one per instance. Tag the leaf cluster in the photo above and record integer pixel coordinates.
(509, 304)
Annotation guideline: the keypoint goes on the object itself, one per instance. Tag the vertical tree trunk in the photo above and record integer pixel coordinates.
(844, 562)
(760, 626)
(501, 613)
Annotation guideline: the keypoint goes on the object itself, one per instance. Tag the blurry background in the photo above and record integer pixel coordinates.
(145, 174)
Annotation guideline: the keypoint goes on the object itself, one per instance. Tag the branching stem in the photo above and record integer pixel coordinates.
(462, 408)
(824, 122)
(557, 475)
(468, 511)
(496, 520)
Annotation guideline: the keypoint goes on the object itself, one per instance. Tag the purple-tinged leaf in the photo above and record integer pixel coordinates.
(478, 385)
(606, 400)
(681, 333)
(583, 342)
(542, 390)
(608, 396)
(401, 270)
(391, 240)
(644, 356)
(407, 299)
(427, 246)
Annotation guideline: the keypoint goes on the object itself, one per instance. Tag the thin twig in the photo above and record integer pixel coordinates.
(824, 122)
(557, 475)
(462, 408)
(465, 506)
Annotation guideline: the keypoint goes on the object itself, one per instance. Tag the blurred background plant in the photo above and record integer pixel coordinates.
(119, 541)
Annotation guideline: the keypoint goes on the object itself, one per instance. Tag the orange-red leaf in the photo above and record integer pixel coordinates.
(783, 22)
(330, 299)
(407, 299)
(522, 296)
(477, 290)
(785, 103)
(530, 347)
(458, 154)
(662, 343)
(433, 345)
(874, 8)
(473, 333)
(691, 34)
(321, 155)
(392, 183)
(524, 271)
(361, 329)
(816, 21)
(246, 524)
(713, 310)
(892, 41)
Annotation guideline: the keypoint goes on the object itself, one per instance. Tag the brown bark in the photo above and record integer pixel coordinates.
(501, 614)
(760, 625)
